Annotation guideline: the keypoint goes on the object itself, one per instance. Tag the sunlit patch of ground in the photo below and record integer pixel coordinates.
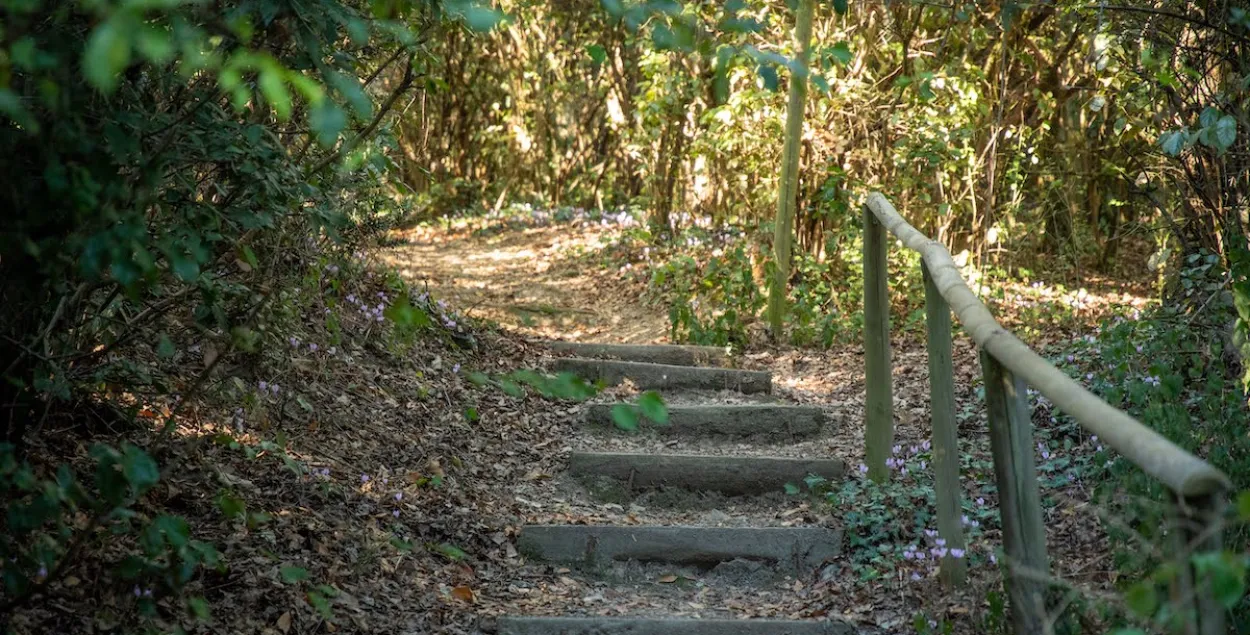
(529, 281)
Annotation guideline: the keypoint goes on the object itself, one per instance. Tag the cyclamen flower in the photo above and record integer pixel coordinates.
(980, 501)
(364, 478)
(930, 532)
(993, 559)
(915, 576)
(922, 464)
(399, 496)
(294, 341)
(263, 385)
(939, 551)
(863, 469)
(395, 513)
(313, 347)
(925, 446)
(941, 542)
(897, 449)
(957, 553)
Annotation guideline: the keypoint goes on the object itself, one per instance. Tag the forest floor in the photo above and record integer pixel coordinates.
(382, 490)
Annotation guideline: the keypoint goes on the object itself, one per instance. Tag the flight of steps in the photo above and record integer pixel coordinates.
(705, 398)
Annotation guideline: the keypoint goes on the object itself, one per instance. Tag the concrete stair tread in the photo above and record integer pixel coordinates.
(647, 376)
(663, 626)
(764, 421)
(786, 550)
(672, 354)
(732, 475)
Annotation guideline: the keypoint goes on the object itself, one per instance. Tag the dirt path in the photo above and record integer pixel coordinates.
(531, 281)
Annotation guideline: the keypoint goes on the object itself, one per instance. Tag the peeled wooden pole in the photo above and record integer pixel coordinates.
(878, 387)
(1019, 499)
(788, 187)
(945, 437)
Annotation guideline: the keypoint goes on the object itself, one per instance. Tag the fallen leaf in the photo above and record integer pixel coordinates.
(464, 593)
(668, 579)
(284, 622)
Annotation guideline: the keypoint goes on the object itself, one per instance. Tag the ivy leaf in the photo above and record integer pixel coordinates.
(625, 417)
(291, 575)
(139, 468)
(653, 407)
(840, 6)
(199, 608)
(792, 489)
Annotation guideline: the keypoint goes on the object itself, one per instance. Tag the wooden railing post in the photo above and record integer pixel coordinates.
(1019, 500)
(1200, 522)
(945, 437)
(879, 400)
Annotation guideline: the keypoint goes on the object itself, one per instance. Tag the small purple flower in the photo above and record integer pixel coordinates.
(456, 368)
(957, 553)
(364, 478)
(43, 572)
(275, 388)
(980, 501)
(1045, 455)
(939, 552)
(294, 341)
(922, 464)
(890, 462)
(915, 449)
(896, 449)
(941, 542)
(925, 446)
(264, 386)
(863, 469)
(915, 576)
(965, 520)
(930, 532)
(908, 555)
(399, 496)
(351, 297)
(975, 523)
(313, 347)
(395, 513)
(138, 591)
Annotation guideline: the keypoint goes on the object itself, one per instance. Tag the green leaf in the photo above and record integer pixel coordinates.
(1142, 598)
(1173, 143)
(475, 15)
(155, 44)
(471, 415)
(792, 489)
(1243, 506)
(625, 417)
(319, 602)
(653, 407)
(451, 551)
(165, 348)
(597, 53)
(199, 608)
(107, 53)
(273, 87)
(139, 468)
(291, 575)
(231, 506)
(841, 53)
(840, 6)
(327, 120)
(1225, 132)
(769, 75)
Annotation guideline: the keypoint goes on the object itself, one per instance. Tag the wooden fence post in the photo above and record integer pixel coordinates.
(1019, 500)
(945, 436)
(1200, 522)
(879, 400)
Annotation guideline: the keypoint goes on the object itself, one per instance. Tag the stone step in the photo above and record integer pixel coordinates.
(672, 354)
(789, 550)
(666, 376)
(729, 475)
(764, 421)
(660, 626)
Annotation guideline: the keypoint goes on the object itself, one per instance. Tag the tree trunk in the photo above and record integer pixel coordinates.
(788, 187)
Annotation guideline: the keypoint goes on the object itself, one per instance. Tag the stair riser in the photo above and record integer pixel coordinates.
(789, 550)
(666, 377)
(769, 423)
(728, 475)
(628, 626)
(648, 353)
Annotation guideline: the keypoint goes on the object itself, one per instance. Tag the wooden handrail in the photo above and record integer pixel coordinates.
(1184, 473)
(1009, 367)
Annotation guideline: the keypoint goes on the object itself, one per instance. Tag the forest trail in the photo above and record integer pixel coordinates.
(674, 528)
(531, 281)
